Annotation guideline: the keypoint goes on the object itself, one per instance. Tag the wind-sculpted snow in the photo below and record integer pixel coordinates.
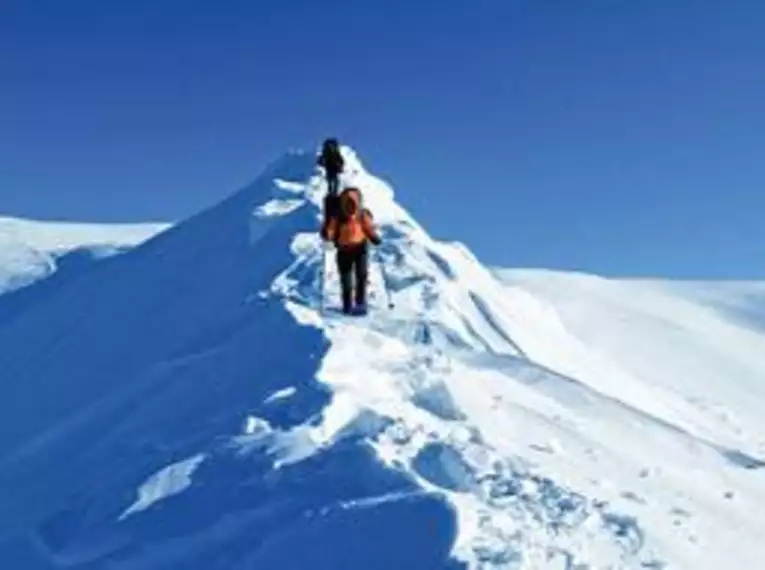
(166, 353)
(201, 402)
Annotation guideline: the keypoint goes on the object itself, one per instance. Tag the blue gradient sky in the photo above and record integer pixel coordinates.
(614, 136)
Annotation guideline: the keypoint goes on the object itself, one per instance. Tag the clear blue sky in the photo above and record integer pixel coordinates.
(625, 137)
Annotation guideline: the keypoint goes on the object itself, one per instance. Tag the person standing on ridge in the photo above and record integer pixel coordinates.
(333, 163)
(331, 159)
(351, 229)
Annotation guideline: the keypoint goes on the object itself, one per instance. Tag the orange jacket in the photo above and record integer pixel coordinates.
(350, 225)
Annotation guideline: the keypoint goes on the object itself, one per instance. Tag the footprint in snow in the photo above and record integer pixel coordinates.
(552, 446)
(630, 496)
(626, 529)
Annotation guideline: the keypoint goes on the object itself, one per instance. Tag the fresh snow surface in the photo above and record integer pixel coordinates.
(31, 250)
(199, 402)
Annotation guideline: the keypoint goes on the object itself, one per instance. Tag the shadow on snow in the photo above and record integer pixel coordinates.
(152, 357)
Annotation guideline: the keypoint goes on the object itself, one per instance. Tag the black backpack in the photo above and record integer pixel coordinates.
(331, 157)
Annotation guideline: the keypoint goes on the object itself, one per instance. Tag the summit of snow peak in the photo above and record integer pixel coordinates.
(200, 402)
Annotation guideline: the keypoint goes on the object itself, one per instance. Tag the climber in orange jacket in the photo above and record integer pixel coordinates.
(351, 228)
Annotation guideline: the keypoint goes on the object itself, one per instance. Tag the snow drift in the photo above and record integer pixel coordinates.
(198, 402)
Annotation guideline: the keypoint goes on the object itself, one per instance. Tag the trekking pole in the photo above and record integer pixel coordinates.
(322, 281)
(386, 283)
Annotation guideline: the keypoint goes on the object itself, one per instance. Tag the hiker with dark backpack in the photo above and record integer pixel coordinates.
(351, 229)
(333, 163)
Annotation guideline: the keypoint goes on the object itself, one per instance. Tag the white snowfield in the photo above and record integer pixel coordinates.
(578, 422)
(571, 422)
(30, 249)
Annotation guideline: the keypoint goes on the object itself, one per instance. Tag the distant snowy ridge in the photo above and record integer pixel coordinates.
(30, 249)
(57, 237)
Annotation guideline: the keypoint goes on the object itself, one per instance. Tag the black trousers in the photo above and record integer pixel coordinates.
(333, 182)
(353, 262)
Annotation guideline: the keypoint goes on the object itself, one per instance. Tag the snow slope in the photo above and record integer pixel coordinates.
(704, 353)
(31, 250)
(198, 402)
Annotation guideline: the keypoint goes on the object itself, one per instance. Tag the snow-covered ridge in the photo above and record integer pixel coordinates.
(30, 249)
(199, 402)
(480, 371)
